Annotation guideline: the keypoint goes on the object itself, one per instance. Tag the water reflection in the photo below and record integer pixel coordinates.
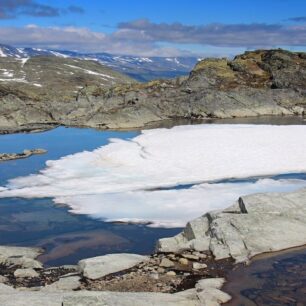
(37, 222)
(278, 280)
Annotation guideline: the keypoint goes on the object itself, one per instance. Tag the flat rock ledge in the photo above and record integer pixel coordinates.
(206, 293)
(24, 154)
(255, 224)
(23, 257)
(97, 267)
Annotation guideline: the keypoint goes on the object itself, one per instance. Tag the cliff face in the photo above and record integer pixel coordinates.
(263, 82)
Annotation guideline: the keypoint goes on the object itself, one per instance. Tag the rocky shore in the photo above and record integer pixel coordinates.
(188, 269)
(114, 279)
(263, 82)
(255, 224)
(24, 154)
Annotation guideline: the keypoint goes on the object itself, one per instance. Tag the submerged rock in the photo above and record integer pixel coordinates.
(255, 224)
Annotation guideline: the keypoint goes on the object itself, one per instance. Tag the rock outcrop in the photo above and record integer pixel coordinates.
(263, 82)
(24, 154)
(256, 224)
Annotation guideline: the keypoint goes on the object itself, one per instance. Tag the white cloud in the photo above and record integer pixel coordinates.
(81, 39)
(144, 38)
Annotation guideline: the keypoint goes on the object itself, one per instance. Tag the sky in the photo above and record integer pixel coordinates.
(155, 28)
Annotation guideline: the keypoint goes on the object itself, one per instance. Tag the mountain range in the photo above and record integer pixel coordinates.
(140, 68)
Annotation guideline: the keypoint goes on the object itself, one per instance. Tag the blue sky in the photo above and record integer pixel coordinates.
(219, 27)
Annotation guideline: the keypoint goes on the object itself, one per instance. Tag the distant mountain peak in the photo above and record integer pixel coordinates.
(140, 68)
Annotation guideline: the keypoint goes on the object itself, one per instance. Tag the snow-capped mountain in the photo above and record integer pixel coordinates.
(140, 68)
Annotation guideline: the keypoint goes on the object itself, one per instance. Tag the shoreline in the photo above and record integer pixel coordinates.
(171, 272)
(145, 277)
(163, 123)
(271, 278)
(244, 206)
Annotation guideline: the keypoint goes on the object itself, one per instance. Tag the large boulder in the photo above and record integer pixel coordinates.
(254, 224)
(97, 267)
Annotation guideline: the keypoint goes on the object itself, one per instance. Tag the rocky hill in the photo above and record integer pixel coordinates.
(263, 82)
(140, 68)
(62, 73)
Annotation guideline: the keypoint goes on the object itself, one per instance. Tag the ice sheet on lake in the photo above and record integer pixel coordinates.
(170, 208)
(115, 181)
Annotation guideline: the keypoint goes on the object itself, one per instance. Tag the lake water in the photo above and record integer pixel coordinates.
(38, 222)
(67, 237)
(274, 280)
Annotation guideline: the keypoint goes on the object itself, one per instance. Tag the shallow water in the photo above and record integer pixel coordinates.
(58, 142)
(38, 222)
(279, 279)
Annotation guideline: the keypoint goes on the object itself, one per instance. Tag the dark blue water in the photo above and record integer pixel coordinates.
(66, 237)
(285, 176)
(278, 280)
(38, 222)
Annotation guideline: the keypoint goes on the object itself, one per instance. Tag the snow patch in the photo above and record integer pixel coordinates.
(20, 80)
(7, 73)
(90, 71)
(23, 61)
(59, 54)
(129, 178)
(144, 59)
(20, 50)
(2, 54)
(170, 208)
(174, 60)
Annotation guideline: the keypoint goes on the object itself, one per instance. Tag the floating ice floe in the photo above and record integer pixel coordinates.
(136, 179)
